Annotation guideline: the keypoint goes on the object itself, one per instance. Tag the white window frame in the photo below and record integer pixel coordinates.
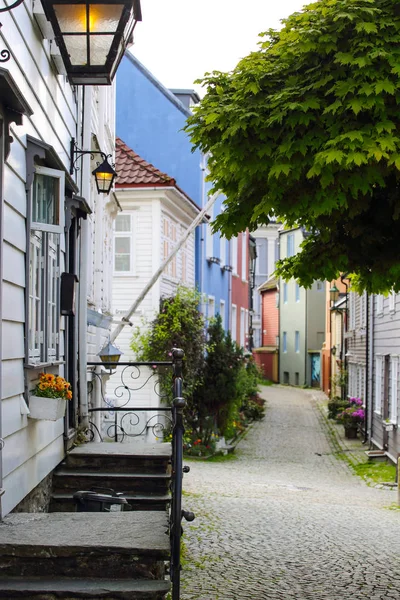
(44, 259)
(352, 311)
(392, 302)
(394, 388)
(242, 327)
(222, 250)
(244, 256)
(246, 328)
(297, 292)
(290, 245)
(222, 312)
(211, 308)
(379, 363)
(234, 255)
(131, 234)
(169, 236)
(234, 323)
(379, 304)
(210, 236)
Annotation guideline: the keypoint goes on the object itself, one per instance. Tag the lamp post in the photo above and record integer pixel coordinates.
(92, 36)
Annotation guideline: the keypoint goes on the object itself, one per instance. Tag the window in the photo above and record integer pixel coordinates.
(297, 292)
(234, 323)
(46, 227)
(352, 311)
(286, 377)
(246, 328)
(209, 236)
(242, 326)
(394, 377)
(277, 299)
(262, 257)
(222, 250)
(169, 242)
(211, 308)
(234, 255)
(285, 293)
(183, 253)
(379, 304)
(378, 383)
(284, 341)
(124, 244)
(297, 341)
(392, 301)
(222, 312)
(290, 245)
(320, 286)
(244, 256)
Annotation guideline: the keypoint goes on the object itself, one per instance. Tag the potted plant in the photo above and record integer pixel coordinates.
(388, 425)
(48, 399)
(351, 418)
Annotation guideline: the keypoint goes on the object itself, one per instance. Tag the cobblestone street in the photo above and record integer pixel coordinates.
(288, 519)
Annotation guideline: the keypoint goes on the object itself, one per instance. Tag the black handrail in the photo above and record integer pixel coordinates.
(178, 405)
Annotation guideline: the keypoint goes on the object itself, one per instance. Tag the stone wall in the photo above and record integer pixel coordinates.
(38, 500)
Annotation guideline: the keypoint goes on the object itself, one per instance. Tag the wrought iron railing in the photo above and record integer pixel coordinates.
(114, 416)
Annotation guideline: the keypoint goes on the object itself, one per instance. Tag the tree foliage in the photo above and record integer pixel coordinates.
(307, 129)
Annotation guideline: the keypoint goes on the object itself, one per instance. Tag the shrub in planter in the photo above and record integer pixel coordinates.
(335, 406)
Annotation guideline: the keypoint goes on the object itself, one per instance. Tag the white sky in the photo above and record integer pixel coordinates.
(179, 40)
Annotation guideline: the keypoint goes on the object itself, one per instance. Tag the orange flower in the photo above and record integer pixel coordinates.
(69, 395)
(43, 386)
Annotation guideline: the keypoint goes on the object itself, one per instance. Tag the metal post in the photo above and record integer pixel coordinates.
(177, 473)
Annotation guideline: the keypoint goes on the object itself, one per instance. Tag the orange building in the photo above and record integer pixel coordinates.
(267, 356)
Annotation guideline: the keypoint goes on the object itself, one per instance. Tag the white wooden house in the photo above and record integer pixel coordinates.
(154, 215)
(48, 223)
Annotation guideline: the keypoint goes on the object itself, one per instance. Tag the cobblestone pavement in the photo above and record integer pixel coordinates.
(287, 519)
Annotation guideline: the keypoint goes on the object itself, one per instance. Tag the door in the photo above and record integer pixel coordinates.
(315, 369)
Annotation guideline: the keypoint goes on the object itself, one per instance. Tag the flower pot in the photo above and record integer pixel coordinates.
(388, 426)
(350, 432)
(46, 409)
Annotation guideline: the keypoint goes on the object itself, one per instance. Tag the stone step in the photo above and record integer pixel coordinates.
(124, 545)
(72, 588)
(66, 502)
(128, 483)
(120, 458)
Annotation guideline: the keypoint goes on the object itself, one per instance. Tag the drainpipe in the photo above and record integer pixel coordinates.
(85, 252)
(342, 278)
(1, 288)
(370, 369)
(366, 375)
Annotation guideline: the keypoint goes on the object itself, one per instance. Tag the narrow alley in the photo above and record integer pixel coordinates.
(286, 518)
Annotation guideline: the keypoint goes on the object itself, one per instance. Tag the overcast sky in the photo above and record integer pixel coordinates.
(179, 40)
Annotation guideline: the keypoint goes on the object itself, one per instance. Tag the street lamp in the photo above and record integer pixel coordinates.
(92, 36)
(104, 173)
(334, 293)
(110, 354)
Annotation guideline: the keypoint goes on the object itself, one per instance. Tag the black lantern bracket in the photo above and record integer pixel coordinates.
(5, 54)
(76, 153)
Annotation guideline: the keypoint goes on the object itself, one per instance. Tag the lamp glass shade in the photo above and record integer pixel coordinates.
(104, 175)
(334, 293)
(110, 354)
(92, 36)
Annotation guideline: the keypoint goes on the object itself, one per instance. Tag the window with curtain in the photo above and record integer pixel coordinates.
(44, 256)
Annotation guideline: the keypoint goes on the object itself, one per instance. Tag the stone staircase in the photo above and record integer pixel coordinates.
(108, 556)
(140, 471)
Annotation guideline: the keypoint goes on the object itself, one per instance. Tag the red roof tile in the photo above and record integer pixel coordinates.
(134, 171)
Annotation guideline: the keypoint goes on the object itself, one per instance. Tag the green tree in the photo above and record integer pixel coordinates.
(307, 129)
(179, 324)
(217, 400)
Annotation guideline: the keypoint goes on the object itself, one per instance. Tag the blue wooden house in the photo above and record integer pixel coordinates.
(150, 119)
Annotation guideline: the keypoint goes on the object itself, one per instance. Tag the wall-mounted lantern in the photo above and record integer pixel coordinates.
(104, 173)
(92, 36)
(334, 293)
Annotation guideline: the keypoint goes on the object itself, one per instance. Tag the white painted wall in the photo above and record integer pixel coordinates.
(34, 448)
